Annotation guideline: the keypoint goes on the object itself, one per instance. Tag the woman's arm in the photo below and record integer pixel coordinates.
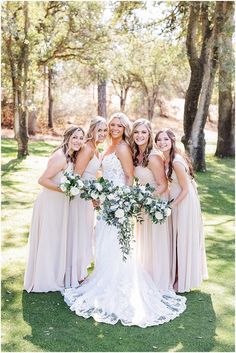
(183, 182)
(124, 154)
(55, 164)
(84, 156)
(156, 165)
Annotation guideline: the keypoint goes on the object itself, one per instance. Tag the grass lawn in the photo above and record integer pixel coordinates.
(43, 322)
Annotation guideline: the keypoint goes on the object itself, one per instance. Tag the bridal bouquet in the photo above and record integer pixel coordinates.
(96, 189)
(117, 209)
(71, 184)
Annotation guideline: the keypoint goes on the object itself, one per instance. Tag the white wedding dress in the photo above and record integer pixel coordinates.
(118, 290)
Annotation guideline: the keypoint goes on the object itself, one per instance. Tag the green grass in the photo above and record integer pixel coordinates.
(43, 322)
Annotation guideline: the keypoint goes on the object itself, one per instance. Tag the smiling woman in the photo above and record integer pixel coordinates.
(48, 233)
(188, 267)
(152, 239)
(80, 246)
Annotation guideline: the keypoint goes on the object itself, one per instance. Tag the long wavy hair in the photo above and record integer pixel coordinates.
(173, 151)
(150, 144)
(124, 120)
(65, 143)
(95, 122)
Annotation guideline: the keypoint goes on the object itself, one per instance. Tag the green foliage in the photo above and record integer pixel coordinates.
(43, 322)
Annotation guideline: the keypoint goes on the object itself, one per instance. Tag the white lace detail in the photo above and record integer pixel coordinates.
(112, 169)
(119, 290)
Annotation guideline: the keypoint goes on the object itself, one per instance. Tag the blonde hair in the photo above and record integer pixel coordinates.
(65, 143)
(150, 144)
(97, 120)
(124, 120)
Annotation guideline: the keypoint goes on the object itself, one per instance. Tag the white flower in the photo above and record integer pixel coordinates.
(126, 190)
(168, 212)
(158, 215)
(74, 191)
(140, 197)
(63, 179)
(80, 184)
(127, 206)
(114, 207)
(148, 201)
(63, 188)
(98, 186)
(142, 188)
(102, 197)
(111, 197)
(119, 213)
(94, 195)
(121, 220)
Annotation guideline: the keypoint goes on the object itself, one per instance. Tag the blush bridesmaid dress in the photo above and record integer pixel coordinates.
(188, 255)
(46, 265)
(153, 240)
(80, 247)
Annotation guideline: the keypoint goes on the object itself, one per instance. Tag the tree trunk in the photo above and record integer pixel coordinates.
(123, 97)
(151, 105)
(19, 72)
(50, 98)
(226, 135)
(102, 110)
(203, 69)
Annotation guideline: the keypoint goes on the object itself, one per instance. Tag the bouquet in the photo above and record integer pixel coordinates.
(140, 193)
(158, 210)
(96, 189)
(71, 184)
(117, 209)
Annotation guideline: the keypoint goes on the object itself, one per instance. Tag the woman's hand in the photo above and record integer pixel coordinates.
(96, 203)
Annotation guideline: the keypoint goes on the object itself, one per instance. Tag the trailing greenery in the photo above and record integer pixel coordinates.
(43, 322)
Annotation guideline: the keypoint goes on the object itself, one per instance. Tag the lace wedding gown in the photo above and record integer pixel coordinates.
(118, 290)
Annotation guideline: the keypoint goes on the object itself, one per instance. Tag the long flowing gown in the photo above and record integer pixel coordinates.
(153, 240)
(80, 247)
(46, 264)
(188, 254)
(118, 290)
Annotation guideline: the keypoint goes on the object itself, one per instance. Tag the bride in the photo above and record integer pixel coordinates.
(118, 290)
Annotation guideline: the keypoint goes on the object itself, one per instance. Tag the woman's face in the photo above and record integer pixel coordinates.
(116, 129)
(76, 140)
(141, 135)
(164, 142)
(100, 133)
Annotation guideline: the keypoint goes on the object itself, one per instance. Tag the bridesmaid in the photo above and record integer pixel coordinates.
(152, 239)
(48, 233)
(188, 249)
(81, 214)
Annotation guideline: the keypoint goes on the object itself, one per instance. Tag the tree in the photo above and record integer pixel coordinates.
(203, 25)
(226, 132)
(120, 65)
(102, 109)
(15, 26)
(71, 31)
(57, 30)
(151, 62)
